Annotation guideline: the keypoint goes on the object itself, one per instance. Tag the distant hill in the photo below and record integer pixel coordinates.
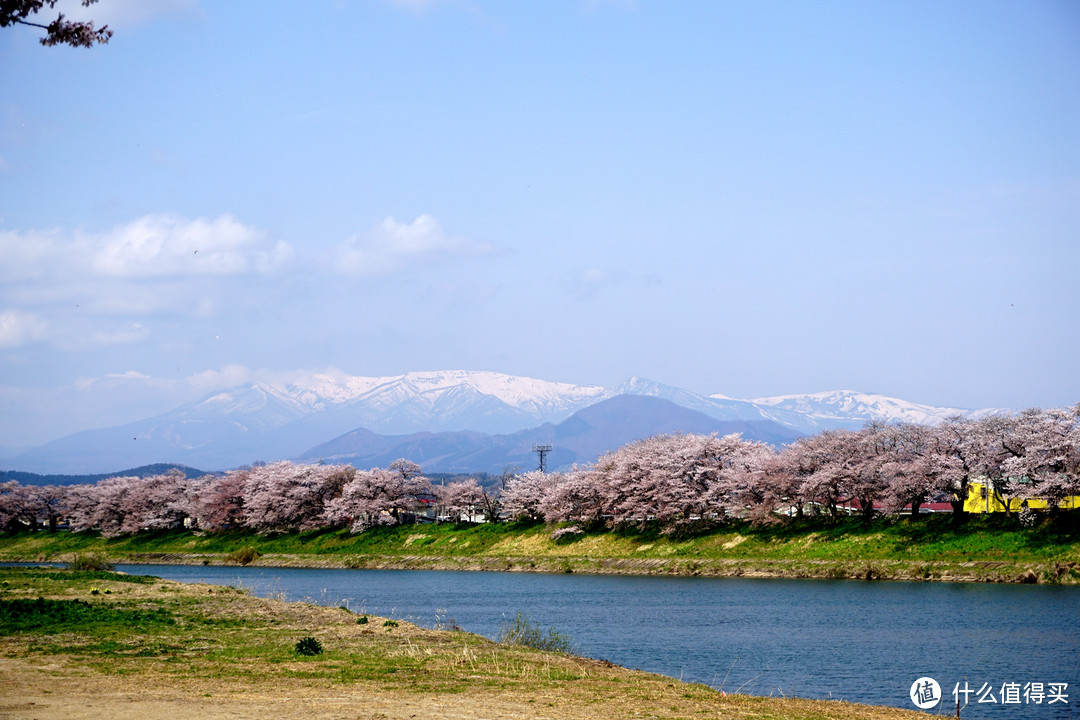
(581, 438)
(442, 412)
(28, 478)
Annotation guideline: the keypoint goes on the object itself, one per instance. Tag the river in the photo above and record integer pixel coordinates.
(865, 642)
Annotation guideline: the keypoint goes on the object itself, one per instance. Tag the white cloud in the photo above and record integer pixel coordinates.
(180, 390)
(226, 377)
(157, 245)
(130, 375)
(150, 246)
(392, 247)
(29, 255)
(18, 328)
(80, 290)
(115, 380)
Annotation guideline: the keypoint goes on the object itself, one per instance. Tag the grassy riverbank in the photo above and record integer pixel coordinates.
(982, 549)
(95, 644)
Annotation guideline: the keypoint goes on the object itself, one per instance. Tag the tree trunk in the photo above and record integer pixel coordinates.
(867, 511)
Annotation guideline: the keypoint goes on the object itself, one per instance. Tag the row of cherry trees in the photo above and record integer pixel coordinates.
(673, 481)
(280, 497)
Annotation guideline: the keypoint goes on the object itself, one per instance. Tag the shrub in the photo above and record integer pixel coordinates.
(390, 624)
(308, 646)
(443, 621)
(89, 561)
(243, 556)
(362, 620)
(523, 631)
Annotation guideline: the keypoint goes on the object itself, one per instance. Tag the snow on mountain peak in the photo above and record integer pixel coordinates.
(463, 398)
(320, 390)
(851, 405)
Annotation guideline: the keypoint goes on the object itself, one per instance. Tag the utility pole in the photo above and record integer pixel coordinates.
(542, 451)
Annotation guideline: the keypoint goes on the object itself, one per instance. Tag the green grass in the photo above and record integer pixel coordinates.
(983, 548)
(25, 615)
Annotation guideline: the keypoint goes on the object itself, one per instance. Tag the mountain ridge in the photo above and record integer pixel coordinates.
(274, 420)
(581, 438)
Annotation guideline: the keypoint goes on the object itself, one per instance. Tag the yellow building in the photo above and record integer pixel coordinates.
(977, 501)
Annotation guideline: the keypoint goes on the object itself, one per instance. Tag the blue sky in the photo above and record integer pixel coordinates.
(748, 198)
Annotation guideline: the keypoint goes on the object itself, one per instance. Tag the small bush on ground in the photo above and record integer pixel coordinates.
(523, 631)
(243, 556)
(308, 646)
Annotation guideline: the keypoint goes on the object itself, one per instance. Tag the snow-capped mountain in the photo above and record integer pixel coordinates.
(417, 401)
(464, 400)
(716, 406)
(850, 409)
(269, 421)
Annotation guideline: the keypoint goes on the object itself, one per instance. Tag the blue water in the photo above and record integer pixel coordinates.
(858, 641)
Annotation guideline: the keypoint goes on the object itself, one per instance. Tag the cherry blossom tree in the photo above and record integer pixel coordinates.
(662, 480)
(874, 450)
(127, 505)
(78, 504)
(579, 498)
(283, 496)
(377, 497)
(100, 507)
(1044, 461)
(826, 463)
(785, 474)
(461, 500)
(218, 503)
(18, 510)
(671, 481)
(524, 494)
(743, 481)
(159, 502)
(50, 502)
(923, 466)
(997, 445)
(59, 31)
(963, 441)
